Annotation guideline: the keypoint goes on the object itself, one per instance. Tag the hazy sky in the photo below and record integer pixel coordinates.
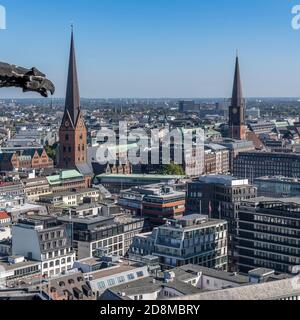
(157, 48)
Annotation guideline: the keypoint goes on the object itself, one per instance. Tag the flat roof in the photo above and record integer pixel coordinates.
(122, 267)
(68, 193)
(223, 275)
(7, 266)
(224, 180)
(294, 200)
(85, 220)
(141, 176)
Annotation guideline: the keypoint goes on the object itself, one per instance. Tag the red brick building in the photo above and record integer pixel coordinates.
(28, 159)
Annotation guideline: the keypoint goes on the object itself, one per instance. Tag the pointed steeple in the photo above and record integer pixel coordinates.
(72, 97)
(237, 94)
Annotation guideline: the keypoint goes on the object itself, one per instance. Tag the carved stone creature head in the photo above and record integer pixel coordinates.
(36, 81)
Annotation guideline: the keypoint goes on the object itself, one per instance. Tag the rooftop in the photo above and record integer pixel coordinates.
(294, 201)
(222, 275)
(278, 179)
(8, 266)
(191, 222)
(85, 220)
(274, 290)
(141, 176)
(122, 267)
(64, 175)
(150, 285)
(224, 180)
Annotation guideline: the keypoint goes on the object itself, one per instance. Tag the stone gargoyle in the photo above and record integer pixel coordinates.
(27, 79)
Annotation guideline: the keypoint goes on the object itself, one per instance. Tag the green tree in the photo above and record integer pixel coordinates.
(51, 152)
(172, 169)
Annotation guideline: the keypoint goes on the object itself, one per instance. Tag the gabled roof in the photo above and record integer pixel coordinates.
(4, 215)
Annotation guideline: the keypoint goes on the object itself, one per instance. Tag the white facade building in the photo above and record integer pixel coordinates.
(42, 240)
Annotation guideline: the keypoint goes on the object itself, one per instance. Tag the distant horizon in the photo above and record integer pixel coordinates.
(150, 98)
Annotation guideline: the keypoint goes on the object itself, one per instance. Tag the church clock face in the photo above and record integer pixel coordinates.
(235, 111)
(67, 124)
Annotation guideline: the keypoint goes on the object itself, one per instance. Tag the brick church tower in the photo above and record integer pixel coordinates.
(237, 124)
(73, 132)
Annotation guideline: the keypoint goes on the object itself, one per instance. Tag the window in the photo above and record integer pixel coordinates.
(140, 274)
(121, 279)
(111, 282)
(130, 276)
(101, 285)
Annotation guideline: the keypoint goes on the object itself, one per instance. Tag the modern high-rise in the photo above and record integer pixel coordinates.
(220, 196)
(269, 234)
(237, 127)
(73, 132)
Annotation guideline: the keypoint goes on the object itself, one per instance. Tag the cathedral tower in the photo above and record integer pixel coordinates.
(73, 132)
(237, 125)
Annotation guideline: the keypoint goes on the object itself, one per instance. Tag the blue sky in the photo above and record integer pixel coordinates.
(157, 48)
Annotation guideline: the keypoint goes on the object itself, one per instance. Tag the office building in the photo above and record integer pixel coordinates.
(277, 187)
(268, 234)
(193, 239)
(253, 165)
(221, 197)
(94, 233)
(156, 203)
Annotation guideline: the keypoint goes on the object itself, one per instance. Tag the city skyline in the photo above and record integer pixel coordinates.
(157, 50)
